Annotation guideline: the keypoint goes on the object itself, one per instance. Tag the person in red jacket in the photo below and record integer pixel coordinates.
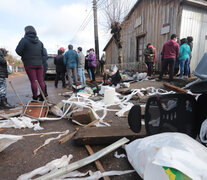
(170, 53)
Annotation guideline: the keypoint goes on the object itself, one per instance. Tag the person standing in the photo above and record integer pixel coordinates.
(60, 67)
(86, 65)
(45, 67)
(81, 66)
(149, 58)
(102, 62)
(170, 53)
(184, 57)
(92, 63)
(71, 61)
(190, 43)
(30, 48)
(3, 75)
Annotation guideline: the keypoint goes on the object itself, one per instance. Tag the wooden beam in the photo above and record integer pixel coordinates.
(97, 162)
(174, 88)
(78, 164)
(105, 135)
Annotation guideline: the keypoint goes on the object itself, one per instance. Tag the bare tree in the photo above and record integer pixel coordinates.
(115, 11)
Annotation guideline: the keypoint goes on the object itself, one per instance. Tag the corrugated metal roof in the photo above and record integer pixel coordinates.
(201, 3)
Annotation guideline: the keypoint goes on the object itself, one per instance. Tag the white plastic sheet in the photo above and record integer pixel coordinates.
(175, 150)
(7, 139)
(53, 165)
(20, 122)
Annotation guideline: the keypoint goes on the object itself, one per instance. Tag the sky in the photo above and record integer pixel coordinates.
(58, 23)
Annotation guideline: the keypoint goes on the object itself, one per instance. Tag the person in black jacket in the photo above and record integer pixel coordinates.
(3, 75)
(60, 68)
(30, 48)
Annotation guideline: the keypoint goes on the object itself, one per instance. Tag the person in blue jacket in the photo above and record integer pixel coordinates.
(184, 57)
(71, 61)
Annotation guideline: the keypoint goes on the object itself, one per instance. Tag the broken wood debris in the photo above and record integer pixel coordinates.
(105, 135)
(97, 162)
(68, 137)
(174, 88)
(85, 161)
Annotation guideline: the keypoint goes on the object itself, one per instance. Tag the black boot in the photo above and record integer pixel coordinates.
(5, 105)
(40, 98)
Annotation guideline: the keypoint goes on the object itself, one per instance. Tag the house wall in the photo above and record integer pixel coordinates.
(111, 53)
(155, 20)
(194, 23)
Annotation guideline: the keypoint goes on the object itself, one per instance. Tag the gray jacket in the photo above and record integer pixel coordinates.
(81, 63)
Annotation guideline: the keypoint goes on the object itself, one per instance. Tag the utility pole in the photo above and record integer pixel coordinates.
(96, 29)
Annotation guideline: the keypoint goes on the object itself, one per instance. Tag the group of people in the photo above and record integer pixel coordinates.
(175, 56)
(74, 63)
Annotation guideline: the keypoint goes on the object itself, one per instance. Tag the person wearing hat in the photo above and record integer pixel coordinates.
(60, 67)
(30, 48)
(81, 66)
(3, 75)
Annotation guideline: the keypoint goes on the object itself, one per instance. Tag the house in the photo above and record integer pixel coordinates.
(155, 20)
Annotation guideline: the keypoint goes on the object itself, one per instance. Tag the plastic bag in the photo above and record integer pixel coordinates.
(149, 155)
(7, 139)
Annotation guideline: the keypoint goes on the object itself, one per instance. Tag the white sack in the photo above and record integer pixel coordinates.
(175, 150)
(53, 165)
(6, 140)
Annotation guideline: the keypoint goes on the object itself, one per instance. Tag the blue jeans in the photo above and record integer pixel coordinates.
(89, 74)
(184, 64)
(81, 75)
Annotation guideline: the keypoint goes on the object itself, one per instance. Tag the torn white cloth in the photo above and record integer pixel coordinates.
(20, 122)
(203, 132)
(7, 139)
(47, 141)
(53, 165)
(119, 155)
(92, 175)
(175, 150)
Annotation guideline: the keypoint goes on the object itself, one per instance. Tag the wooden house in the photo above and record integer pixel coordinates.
(154, 21)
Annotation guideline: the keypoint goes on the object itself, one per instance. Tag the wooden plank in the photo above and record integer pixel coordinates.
(105, 135)
(97, 162)
(69, 136)
(78, 164)
(174, 88)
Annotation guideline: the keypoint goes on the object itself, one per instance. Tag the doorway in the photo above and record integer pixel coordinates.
(140, 48)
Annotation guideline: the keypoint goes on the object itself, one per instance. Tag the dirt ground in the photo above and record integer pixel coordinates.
(18, 158)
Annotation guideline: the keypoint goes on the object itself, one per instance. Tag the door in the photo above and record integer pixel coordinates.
(140, 48)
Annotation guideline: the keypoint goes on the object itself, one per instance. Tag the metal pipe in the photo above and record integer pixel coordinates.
(16, 94)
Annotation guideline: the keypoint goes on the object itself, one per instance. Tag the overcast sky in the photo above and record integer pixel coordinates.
(57, 22)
